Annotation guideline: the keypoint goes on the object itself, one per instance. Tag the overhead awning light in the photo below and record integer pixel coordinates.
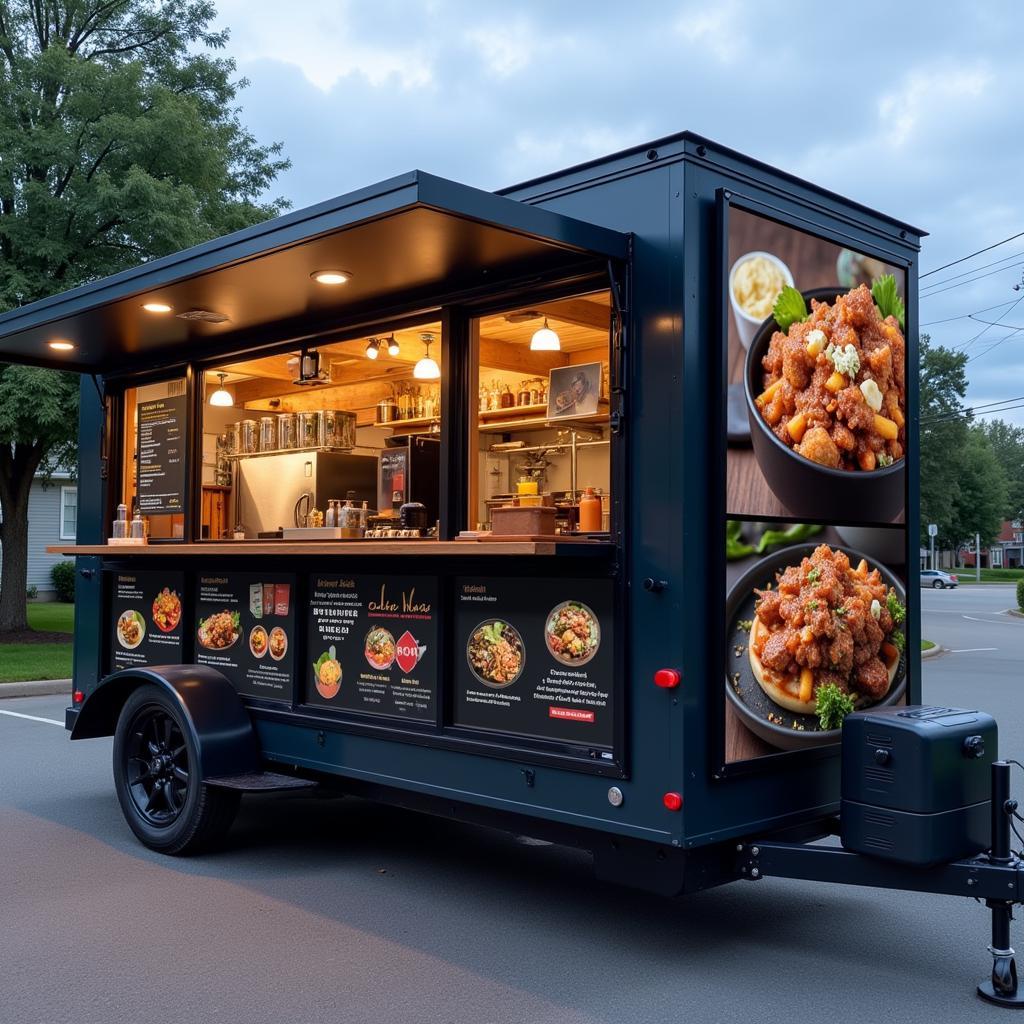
(222, 396)
(427, 368)
(545, 340)
(61, 346)
(373, 347)
(156, 307)
(331, 277)
(393, 347)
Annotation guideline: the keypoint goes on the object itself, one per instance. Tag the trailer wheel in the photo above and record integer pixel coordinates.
(156, 775)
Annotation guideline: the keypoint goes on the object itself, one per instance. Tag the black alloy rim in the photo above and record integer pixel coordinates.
(157, 766)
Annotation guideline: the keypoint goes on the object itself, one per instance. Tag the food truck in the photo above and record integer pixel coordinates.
(579, 509)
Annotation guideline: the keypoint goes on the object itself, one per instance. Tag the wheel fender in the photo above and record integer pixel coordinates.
(210, 706)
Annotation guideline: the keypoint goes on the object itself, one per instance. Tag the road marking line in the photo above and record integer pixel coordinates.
(969, 650)
(32, 718)
(993, 622)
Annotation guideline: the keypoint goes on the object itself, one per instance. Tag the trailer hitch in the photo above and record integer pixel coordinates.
(996, 877)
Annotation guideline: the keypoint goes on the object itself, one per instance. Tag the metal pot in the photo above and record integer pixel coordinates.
(387, 410)
(311, 429)
(413, 515)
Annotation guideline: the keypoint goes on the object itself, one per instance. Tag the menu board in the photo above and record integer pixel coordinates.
(535, 657)
(161, 433)
(245, 628)
(372, 644)
(146, 618)
(814, 366)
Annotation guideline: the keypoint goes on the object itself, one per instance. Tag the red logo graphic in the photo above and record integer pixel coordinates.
(408, 652)
(572, 714)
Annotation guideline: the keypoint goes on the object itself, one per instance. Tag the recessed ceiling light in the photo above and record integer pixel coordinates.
(156, 307)
(330, 276)
(61, 346)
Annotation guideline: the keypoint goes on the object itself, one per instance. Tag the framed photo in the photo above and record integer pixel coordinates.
(574, 391)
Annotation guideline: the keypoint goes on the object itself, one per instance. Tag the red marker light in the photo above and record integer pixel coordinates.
(673, 801)
(78, 696)
(667, 678)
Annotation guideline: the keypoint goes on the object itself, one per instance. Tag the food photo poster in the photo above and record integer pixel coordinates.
(815, 542)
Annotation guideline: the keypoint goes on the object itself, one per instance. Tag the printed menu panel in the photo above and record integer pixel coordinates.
(535, 657)
(245, 628)
(161, 432)
(146, 613)
(373, 644)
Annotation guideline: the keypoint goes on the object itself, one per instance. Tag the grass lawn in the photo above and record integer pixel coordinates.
(990, 575)
(40, 661)
(927, 645)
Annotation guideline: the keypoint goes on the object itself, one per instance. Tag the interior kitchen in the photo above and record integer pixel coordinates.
(340, 439)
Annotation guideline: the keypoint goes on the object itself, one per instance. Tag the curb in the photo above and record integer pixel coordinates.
(1015, 612)
(36, 688)
(932, 652)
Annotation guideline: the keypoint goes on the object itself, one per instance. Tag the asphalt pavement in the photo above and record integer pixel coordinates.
(338, 910)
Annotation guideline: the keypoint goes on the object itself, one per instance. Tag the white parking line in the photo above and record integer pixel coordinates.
(970, 650)
(32, 718)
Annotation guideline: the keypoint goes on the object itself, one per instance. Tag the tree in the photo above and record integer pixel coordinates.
(1007, 442)
(943, 437)
(980, 503)
(120, 141)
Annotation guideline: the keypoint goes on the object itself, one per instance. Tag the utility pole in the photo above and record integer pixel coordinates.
(977, 557)
(932, 531)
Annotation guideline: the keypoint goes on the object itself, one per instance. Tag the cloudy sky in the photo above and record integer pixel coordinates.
(914, 108)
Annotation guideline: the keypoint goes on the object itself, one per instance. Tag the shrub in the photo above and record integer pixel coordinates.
(63, 576)
(32, 592)
(1020, 594)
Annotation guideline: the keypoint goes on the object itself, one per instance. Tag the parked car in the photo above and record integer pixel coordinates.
(938, 579)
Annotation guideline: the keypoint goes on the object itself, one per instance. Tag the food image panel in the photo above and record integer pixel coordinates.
(496, 653)
(817, 403)
(131, 629)
(813, 631)
(146, 612)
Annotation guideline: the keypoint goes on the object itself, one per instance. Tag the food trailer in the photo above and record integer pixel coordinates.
(580, 509)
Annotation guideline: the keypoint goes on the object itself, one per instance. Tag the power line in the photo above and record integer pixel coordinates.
(968, 413)
(973, 270)
(963, 316)
(994, 323)
(962, 259)
(1005, 337)
(971, 280)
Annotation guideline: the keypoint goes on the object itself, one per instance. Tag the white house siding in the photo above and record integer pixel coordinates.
(43, 530)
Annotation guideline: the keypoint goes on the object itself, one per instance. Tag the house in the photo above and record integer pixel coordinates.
(52, 517)
(1005, 552)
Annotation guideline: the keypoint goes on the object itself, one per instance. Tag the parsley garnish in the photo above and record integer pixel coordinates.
(789, 309)
(814, 575)
(896, 610)
(899, 641)
(833, 706)
(887, 299)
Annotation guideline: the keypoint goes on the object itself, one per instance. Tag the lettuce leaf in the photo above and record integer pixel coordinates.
(887, 299)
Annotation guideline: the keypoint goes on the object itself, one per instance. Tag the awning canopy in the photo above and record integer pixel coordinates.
(413, 238)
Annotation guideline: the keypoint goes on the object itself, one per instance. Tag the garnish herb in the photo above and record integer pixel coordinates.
(736, 547)
(790, 308)
(814, 575)
(899, 641)
(887, 299)
(833, 706)
(896, 610)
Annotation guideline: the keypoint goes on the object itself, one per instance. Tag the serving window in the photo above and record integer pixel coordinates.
(539, 434)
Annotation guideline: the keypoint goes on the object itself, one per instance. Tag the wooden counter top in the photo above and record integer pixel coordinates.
(414, 548)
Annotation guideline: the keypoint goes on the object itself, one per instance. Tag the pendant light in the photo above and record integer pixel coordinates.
(222, 396)
(372, 348)
(393, 348)
(427, 368)
(545, 340)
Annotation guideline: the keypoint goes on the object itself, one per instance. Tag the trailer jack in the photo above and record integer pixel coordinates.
(997, 877)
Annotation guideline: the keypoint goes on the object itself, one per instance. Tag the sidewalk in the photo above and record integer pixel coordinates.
(36, 688)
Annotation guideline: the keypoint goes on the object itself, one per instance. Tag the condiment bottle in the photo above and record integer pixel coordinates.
(138, 528)
(507, 398)
(120, 528)
(590, 512)
(331, 518)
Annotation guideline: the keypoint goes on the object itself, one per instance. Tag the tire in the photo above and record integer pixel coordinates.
(938, 585)
(157, 781)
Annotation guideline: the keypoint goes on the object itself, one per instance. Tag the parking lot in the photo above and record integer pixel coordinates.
(336, 910)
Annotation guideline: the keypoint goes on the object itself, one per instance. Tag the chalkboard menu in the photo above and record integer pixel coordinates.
(372, 644)
(245, 628)
(146, 613)
(535, 657)
(161, 439)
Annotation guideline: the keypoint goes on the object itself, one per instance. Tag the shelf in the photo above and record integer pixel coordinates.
(404, 426)
(512, 411)
(411, 547)
(539, 422)
(288, 451)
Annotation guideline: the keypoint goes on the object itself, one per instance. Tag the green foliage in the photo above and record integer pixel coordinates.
(1007, 441)
(832, 706)
(980, 503)
(1020, 594)
(790, 308)
(887, 298)
(63, 577)
(32, 592)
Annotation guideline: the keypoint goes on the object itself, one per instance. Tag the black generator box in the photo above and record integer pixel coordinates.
(917, 783)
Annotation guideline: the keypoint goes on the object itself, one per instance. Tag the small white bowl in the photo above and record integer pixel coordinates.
(746, 325)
